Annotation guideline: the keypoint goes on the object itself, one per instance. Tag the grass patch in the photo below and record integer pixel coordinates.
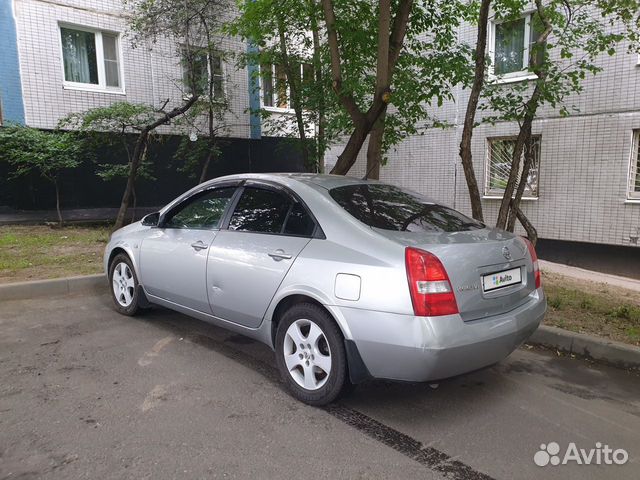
(40, 252)
(594, 308)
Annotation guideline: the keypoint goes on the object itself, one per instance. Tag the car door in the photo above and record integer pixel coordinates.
(173, 258)
(247, 261)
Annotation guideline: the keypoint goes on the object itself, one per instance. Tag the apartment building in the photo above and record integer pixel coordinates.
(585, 185)
(64, 56)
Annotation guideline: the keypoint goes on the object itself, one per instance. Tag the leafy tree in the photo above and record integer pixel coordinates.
(49, 154)
(571, 35)
(286, 34)
(195, 29)
(367, 60)
(114, 126)
(195, 155)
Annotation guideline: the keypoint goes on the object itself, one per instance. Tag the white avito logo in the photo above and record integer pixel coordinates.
(600, 455)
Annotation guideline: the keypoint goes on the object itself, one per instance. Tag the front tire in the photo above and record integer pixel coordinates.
(124, 285)
(310, 354)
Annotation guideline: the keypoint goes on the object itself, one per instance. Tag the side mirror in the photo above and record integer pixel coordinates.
(151, 220)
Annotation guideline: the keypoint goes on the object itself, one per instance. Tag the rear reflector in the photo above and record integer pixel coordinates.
(429, 285)
(534, 259)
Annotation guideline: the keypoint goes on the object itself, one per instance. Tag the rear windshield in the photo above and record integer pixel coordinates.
(390, 208)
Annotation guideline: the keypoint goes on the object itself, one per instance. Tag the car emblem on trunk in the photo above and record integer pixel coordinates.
(506, 253)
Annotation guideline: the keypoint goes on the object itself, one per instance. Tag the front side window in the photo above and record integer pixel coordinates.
(634, 168)
(199, 68)
(500, 156)
(91, 58)
(391, 208)
(513, 43)
(203, 212)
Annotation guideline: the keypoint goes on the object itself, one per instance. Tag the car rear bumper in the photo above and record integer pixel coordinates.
(418, 349)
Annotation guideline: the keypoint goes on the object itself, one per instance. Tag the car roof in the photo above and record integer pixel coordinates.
(321, 180)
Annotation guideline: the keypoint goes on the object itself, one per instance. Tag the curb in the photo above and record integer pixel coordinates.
(607, 351)
(54, 287)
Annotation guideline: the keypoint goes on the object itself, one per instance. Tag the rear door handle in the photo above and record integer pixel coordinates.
(199, 245)
(279, 255)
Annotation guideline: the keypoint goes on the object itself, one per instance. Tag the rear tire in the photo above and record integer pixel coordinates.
(310, 354)
(123, 284)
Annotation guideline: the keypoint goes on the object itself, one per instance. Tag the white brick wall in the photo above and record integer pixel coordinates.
(584, 158)
(150, 76)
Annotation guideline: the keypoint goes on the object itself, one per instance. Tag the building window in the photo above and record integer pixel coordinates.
(199, 67)
(500, 153)
(511, 46)
(274, 86)
(634, 168)
(91, 58)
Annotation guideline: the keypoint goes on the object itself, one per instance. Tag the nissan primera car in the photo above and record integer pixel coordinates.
(345, 279)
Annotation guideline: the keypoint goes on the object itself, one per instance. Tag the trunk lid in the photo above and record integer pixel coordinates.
(468, 256)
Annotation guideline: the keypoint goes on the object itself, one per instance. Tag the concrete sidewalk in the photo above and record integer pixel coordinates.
(77, 215)
(589, 275)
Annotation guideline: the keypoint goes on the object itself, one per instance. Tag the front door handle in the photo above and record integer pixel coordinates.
(279, 255)
(199, 245)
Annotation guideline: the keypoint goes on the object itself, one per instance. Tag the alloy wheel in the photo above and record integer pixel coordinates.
(307, 354)
(123, 284)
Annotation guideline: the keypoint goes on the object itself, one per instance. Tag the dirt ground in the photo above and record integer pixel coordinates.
(41, 252)
(594, 308)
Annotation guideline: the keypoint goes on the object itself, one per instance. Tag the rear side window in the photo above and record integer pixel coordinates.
(299, 222)
(268, 211)
(391, 208)
(260, 211)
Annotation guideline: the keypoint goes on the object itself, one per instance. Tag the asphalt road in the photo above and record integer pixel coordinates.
(86, 393)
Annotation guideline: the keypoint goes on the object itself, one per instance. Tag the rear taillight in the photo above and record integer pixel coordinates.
(534, 259)
(431, 292)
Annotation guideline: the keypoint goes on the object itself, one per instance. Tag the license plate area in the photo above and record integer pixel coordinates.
(505, 278)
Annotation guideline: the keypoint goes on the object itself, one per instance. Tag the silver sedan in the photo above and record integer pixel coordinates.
(345, 279)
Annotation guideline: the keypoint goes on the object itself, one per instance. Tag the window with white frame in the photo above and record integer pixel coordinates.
(275, 89)
(91, 58)
(199, 68)
(499, 158)
(512, 44)
(633, 191)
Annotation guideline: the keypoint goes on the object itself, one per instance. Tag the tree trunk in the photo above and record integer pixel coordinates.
(350, 153)
(530, 110)
(391, 44)
(205, 167)
(317, 65)
(522, 184)
(469, 119)
(135, 203)
(55, 183)
(136, 157)
(532, 233)
(294, 91)
(374, 149)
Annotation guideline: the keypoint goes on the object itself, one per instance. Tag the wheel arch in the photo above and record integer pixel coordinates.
(125, 249)
(357, 370)
(291, 297)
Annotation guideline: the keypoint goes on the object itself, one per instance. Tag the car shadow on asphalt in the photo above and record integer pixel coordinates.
(260, 358)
